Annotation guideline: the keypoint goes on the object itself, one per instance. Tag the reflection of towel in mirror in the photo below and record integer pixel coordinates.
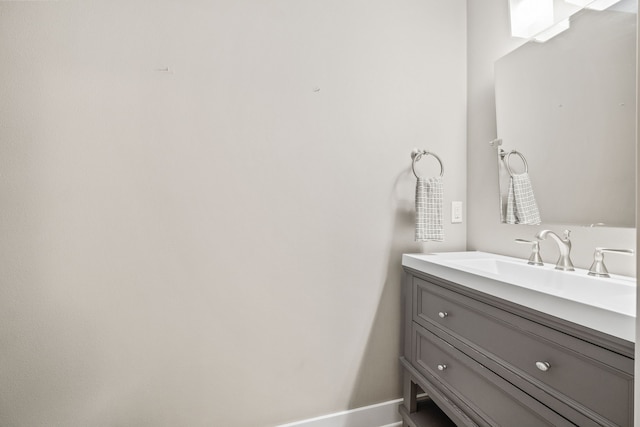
(429, 210)
(521, 203)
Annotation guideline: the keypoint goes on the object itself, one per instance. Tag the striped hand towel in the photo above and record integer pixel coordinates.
(521, 203)
(429, 210)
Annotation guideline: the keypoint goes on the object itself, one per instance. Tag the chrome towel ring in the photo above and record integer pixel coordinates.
(507, 158)
(416, 155)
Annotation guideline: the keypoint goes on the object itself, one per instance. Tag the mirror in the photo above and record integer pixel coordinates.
(568, 106)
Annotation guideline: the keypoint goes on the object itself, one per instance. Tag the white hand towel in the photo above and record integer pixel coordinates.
(429, 210)
(521, 203)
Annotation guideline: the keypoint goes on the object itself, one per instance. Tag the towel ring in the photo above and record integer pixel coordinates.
(507, 159)
(417, 155)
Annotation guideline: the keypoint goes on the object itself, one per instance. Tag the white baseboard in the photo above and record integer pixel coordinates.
(383, 414)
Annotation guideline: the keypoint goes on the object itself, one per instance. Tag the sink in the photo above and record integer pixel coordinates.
(605, 304)
(576, 285)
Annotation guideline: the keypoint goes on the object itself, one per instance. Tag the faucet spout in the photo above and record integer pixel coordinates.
(564, 246)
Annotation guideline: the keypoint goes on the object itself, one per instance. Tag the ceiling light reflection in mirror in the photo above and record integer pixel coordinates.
(529, 17)
(541, 20)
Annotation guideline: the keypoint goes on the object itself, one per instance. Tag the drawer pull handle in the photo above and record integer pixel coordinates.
(543, 366)
(443, 314)
(442, 367)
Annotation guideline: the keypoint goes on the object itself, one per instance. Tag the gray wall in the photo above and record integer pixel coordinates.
(488, 40)
(636, 391)
(217, 244)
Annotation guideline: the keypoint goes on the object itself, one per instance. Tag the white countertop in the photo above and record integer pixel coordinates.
(604, 304)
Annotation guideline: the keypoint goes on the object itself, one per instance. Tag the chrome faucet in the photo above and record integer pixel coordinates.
(564, 245)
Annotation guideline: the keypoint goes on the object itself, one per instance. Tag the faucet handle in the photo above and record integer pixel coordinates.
(598, 269)
(535, 258)
(567, 233)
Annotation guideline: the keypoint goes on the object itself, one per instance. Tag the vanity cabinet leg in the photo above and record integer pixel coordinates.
(410, 393)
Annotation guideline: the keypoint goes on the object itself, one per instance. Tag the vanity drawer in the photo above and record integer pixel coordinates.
(493, 401)
(521, 345)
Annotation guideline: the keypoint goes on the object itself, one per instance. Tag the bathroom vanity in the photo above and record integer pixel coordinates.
(493, 341)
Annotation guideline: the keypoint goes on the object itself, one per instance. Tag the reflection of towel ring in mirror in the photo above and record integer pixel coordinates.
(417, 155)
(507, 158)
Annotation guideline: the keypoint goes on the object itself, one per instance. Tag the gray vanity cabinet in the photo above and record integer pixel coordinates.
(484, 361)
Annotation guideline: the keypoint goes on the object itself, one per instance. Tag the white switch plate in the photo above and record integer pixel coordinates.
(456, 212)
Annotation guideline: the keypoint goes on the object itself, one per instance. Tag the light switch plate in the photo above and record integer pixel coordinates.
(456, 212)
